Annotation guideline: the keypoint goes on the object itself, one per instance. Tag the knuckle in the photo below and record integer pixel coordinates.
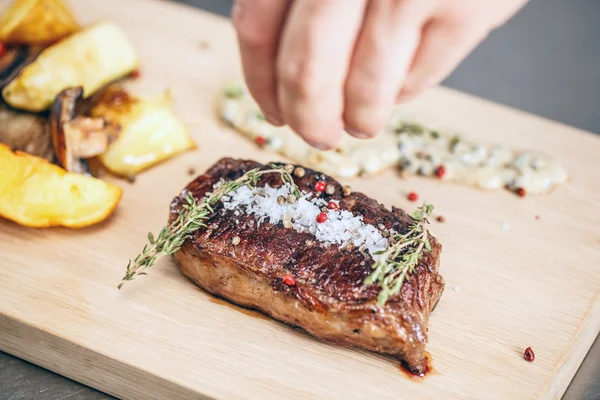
(368, 103)
(249, 28)
(366, 92)
(364, 123)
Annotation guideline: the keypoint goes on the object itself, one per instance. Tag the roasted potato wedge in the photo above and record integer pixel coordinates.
(149, 131)
(36, 22)
(36, 193)
(91, 58)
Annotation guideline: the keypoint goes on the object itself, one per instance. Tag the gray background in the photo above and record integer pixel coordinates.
(545, 61)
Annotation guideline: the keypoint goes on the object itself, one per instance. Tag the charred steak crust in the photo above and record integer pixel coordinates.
(329, 299)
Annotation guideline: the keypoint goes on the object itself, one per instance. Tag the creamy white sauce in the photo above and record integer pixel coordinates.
(414, 149)
(486, 167)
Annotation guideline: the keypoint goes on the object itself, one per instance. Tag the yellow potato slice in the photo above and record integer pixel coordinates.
(150, 131)
(36, 193)
(91, 58)
(36, 22)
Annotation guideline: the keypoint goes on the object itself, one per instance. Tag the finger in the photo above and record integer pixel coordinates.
(315, 51)
(443, 47)
(387, 42)
(258, 24)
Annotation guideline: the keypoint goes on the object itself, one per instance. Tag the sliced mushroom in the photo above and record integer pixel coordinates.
(21, 130)
(89, 137)
(61, 112)
(77, 138)
(14, 60)
(26, 132)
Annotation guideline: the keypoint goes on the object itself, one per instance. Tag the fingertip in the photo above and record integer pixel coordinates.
(325, 137)
(365, 122)
(324, 146)
(258, 24)
(443, 45)
(406, 95)
(360, 134)
(273, 118)
(357, 134)
(323, 142)
(413, 86)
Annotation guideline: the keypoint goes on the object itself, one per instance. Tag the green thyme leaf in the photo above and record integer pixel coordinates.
(395, 264)
(192, 216)
(234, 91)
(411, 128)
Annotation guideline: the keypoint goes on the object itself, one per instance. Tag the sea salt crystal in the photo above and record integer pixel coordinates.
(341, 227)
(505, 225)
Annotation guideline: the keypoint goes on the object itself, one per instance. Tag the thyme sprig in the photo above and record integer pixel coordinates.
(395, 264)
(192, 216)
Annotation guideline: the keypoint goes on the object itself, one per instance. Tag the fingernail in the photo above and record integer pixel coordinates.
(320, 145)
(273, 119)
(358, 134)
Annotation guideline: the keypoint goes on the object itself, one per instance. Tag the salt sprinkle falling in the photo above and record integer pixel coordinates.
(456, 288)
(341, 228)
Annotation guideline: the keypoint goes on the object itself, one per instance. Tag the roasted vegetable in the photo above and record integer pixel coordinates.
(90, 58)
(149, 131)
(25, 132)
(62, 112)
(14, 60)
(36, 22)
(36, 193)
(89, 137)
(76, 138)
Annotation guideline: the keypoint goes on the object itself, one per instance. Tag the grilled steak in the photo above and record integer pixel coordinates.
(250, 264)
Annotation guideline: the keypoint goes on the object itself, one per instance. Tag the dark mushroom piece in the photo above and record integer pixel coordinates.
(76, 139)
(14, 60)
(26, 132)
(18, 129)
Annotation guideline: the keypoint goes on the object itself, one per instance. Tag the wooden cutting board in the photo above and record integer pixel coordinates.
(536, 284)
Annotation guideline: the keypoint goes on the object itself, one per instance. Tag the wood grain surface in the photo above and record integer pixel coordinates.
(536, 284)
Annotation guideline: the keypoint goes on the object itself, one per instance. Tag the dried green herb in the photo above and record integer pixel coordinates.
(234, 91)
(410, 128)
(394, 265)
(454, 142)
(191, 217)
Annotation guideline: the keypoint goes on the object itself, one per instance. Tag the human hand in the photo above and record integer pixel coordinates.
(320, 66)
